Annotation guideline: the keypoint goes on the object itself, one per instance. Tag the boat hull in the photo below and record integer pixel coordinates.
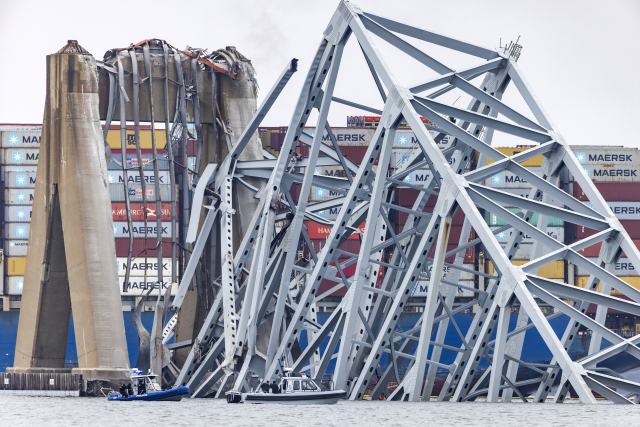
(305, 398)
(174, 394)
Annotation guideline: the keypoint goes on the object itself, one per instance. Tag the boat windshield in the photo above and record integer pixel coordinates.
(309, 385)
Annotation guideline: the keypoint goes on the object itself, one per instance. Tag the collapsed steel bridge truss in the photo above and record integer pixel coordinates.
(266, 288)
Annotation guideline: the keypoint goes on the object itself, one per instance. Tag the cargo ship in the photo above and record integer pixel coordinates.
(614, 170)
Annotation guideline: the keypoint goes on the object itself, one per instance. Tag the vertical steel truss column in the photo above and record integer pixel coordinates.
(444, 209)
(330, 60)
(227, 274)
(353, 300)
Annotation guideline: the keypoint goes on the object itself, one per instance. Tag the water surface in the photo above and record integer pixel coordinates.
(73, 411)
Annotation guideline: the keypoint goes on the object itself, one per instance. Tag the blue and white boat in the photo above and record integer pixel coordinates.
(146, 387)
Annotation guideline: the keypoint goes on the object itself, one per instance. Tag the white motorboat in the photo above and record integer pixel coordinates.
(292, 389)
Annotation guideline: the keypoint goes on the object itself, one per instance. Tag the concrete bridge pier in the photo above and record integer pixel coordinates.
(71, 261)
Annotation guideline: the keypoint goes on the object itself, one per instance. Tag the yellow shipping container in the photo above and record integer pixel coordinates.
(16, 265)
(511, 151)
(553, 270)
(634, 281)
(113, 139)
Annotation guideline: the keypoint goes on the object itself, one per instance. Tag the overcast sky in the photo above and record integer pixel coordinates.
(581, 57)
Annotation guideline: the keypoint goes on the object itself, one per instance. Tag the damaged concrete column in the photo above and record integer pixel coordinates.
(71, 261)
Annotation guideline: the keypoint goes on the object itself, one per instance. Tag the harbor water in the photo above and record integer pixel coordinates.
(70, 411)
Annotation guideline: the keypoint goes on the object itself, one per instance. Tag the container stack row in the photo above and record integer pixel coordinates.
(616, 174)
(19, 147)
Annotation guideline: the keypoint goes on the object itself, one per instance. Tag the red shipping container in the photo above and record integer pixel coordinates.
(119, 211)
(594, 250)
(355, 152)
(632, 227)
(469, 255)
(406, 197)
(612, 191)
(351, 245)
(139, 246)
(318, 231)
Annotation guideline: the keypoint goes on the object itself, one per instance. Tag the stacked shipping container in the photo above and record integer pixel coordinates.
(19, 146)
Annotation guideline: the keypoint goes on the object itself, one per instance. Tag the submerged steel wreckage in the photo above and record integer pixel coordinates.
(256, 320)
(263, 297)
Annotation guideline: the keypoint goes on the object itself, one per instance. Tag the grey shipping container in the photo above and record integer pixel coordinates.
(597, 155)
(623, 210)
(422, 286)
(132, 161)
(20, 180)
(21, 138)
(555, 232)
(140, 266)
(19, 156)
(137, 286)
(16, 230)
(506, 179)
(15, 196)
(135, 192)
(121, 229)
(133, 177)
(623, 268)
(16, 247)
(612, 172)
(5, 169)
(17, 213)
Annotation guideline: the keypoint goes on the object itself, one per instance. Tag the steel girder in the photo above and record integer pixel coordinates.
(278, 293)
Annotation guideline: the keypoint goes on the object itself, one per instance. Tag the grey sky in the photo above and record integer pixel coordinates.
(581, 57)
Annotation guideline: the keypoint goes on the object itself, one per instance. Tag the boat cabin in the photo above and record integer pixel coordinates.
(144, 384)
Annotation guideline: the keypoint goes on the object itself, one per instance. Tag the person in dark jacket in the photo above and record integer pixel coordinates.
(123, 391)
(129, 390)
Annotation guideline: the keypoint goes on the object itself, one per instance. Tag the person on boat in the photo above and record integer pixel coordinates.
(129, 390)
(123, 391)
(141, 387)
(264, 387)
(274, 388)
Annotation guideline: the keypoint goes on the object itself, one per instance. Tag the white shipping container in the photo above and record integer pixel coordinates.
(139, 267)
(406, 139)
(14, 284)
(15, 247)
(422, 287)
(21, 138)
(596, 155)
(18, 213)
(16, 230)
(137, 286)
(623, 268)
(18, 197)
(121, 229)
(133, 177)
(555, 232)
(19, 156)
(20, 180)
(506, 179)
(319, 194)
